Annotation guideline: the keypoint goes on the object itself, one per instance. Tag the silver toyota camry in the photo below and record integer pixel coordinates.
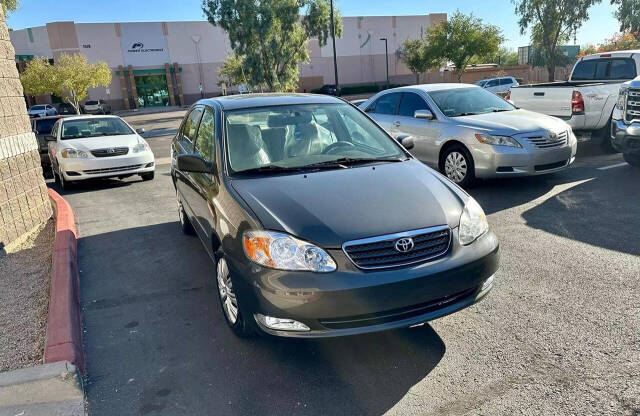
(467, 132)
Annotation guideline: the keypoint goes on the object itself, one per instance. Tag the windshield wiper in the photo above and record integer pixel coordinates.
(343, 162)
(499, 110)
(270, 168)
(465, 114)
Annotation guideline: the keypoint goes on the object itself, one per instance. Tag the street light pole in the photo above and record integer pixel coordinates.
(335, 57)
(386, 57)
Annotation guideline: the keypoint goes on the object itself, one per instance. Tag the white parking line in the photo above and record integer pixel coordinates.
(617, 165)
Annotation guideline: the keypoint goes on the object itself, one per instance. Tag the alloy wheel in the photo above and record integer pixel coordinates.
(455, 166)
(225, 290)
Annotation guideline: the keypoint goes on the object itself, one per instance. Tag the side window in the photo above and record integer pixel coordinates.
(187, 134)
(492, 83)
(410, 103)
(386, 104)
(206, 135)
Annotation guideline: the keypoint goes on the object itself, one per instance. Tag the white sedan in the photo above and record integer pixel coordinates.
(42, 110)
(85, 147)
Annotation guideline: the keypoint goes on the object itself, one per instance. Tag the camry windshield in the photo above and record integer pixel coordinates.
(94, 127)
(310, 136)
(468, 101)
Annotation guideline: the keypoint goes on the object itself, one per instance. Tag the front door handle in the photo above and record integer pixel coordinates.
(396, 124)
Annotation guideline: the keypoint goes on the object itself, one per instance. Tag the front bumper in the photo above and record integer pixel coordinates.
(352, 301)
(92, 167)
(503, 161)
(625, 137)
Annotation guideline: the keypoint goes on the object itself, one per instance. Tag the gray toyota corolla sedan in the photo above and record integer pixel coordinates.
(468, 132)
(319, 223)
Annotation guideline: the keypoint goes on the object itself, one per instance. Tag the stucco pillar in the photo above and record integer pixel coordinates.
(176, 70)
(134, 90)
(167, 71)
(125, 90)
(24, 202)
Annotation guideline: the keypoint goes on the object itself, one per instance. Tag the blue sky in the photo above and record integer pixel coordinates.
(601, 25)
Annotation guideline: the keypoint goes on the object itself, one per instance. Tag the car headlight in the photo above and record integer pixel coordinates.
(70, 153)
(473, 223)
(282, 251)
(622, 98)
(140, 147)
(497, 140)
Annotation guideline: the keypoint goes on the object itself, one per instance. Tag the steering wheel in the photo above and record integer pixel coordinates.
(329, 149)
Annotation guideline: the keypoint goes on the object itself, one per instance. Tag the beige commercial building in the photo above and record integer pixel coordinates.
(175, 63)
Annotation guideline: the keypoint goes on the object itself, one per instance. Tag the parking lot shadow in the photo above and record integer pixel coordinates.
(599, 211)
(157, 343)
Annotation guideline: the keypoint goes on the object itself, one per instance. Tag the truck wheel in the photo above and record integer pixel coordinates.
(632, 159)
(605, 134)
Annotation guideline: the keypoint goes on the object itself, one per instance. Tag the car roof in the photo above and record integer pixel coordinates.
(235, 102)
(57, 116)
(623, 54)
(84, 116)
(434, 87)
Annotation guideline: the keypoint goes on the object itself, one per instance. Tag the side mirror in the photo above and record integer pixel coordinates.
(406, 142)
(50, 138)
(194, 163)
(141, 131)
(424, 114)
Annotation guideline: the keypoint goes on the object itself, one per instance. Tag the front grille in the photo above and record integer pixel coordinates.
(111, 170)
(380, 252)
(633, 105)
(550, 166)
(395, 314)
(113, 151)
(545, 142)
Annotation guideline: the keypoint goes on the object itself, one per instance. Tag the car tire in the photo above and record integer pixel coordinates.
(605, 143)
(64, 184)
(185, 222)
(457, 164)
(229, 303)
(632, 159)
(147, 176)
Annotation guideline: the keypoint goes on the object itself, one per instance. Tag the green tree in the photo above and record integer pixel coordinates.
(70, 78)
(270, 36)
(506, 57)
(628, 14)
(551, 22)
(8, 5)
(418, 56)
(231, 72)
(462, 39)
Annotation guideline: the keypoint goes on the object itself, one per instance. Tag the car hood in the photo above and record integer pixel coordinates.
(101, 142)
(329, 208)
(511, 122)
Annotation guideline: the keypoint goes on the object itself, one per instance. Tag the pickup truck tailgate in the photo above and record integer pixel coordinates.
(553, 101)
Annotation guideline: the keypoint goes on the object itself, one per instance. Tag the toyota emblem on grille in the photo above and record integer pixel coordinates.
(553, 136)
(404, 245)
(111, 150)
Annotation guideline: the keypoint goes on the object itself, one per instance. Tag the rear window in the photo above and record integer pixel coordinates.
(37, 107)
(92, 103)
(604, 69)
(45, 126)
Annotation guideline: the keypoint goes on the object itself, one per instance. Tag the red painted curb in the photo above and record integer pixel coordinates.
(64, 326)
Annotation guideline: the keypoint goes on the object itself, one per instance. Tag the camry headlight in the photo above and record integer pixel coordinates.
(70, 153)
(473, 222)
(140, 147)
(282, 251)
(622, 98)
(497, 140)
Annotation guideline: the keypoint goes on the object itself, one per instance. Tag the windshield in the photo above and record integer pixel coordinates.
(301, 136)
(91, 103)
(37, 107)
(468, 101)
(481, 83)
(94, 127)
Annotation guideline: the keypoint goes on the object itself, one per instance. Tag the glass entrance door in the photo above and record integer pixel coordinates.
(152, 90)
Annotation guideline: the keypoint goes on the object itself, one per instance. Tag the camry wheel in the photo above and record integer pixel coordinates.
(456, 164)
(185, 223)
(229, 301)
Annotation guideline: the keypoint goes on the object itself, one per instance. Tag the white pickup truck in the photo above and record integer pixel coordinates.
(586, 101)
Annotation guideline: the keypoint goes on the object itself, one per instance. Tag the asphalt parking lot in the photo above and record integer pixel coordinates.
(559, 334)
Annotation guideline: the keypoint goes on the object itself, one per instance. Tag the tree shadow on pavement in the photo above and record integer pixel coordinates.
(157, 343)
(599, 212)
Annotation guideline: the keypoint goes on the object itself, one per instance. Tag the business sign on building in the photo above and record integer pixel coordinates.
(143, 44)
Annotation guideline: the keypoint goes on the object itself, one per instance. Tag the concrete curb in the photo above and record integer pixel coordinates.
(64, 326)
(43, 384)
